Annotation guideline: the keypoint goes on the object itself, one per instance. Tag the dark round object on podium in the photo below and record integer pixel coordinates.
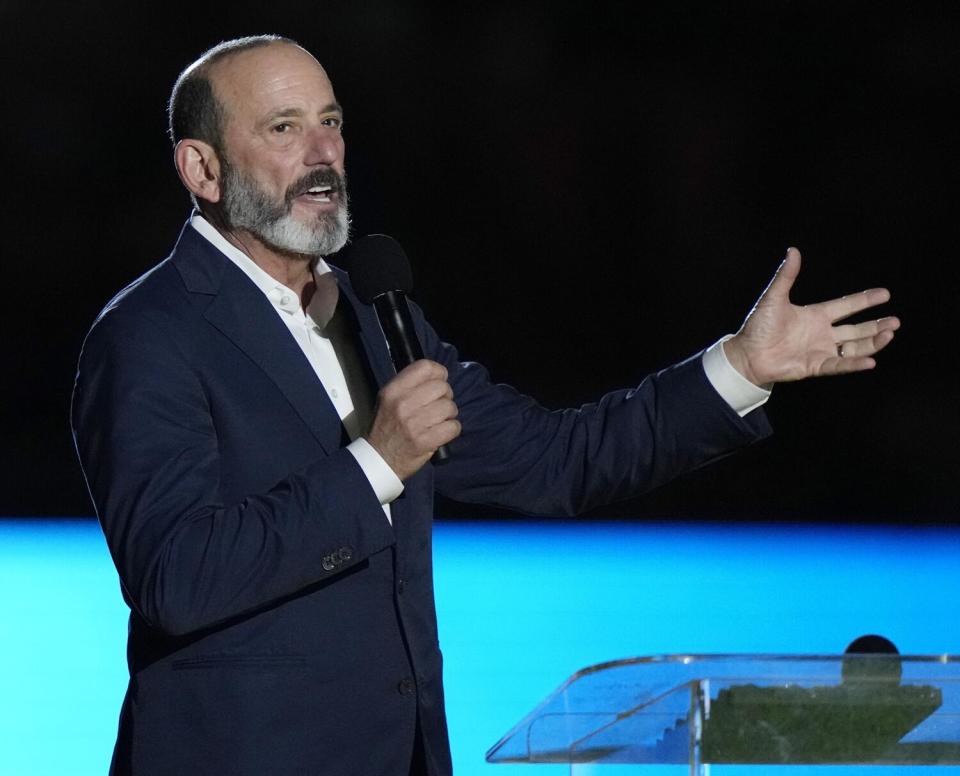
(872, 669)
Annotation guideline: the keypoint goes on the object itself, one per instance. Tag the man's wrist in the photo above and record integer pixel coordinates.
(737, 358)
(384, 481)
(734, 388)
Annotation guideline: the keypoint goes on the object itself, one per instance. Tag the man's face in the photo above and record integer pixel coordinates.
(282, 176)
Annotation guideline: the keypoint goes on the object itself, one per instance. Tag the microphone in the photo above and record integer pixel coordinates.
(381, 276)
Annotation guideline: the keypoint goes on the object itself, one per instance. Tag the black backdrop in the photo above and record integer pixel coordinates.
(587, 192)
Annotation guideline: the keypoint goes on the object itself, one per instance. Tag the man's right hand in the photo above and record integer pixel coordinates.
(415, 415)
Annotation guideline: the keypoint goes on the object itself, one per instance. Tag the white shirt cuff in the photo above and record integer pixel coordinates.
(384, 481)
(735, 389)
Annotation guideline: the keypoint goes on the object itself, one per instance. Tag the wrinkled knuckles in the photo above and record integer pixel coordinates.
(403, 409)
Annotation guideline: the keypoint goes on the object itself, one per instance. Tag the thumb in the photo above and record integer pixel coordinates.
(785, 276)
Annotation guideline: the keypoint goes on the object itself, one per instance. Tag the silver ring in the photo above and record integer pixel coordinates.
(840, 349)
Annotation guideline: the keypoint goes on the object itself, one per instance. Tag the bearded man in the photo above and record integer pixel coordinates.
(262, 476)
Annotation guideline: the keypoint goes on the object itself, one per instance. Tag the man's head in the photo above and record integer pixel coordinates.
(257, 136)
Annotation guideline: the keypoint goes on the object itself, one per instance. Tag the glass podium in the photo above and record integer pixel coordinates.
(748, 714)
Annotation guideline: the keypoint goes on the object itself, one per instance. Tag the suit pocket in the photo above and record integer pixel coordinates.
(224, 714)
(238, 662)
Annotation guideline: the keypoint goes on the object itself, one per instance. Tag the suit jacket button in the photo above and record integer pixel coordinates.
(406, 686)
(345, 553)
(328, 563)
(401, 586)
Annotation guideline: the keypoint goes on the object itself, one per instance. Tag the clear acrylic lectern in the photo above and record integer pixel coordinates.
(732, 714)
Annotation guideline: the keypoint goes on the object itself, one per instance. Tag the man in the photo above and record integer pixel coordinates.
(262, 476)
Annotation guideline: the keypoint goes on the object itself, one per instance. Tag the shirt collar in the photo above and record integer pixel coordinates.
(281, 297)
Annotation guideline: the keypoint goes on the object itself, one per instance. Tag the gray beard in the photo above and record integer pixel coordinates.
(247, 206)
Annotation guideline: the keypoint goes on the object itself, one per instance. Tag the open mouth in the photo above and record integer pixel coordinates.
(319, 194)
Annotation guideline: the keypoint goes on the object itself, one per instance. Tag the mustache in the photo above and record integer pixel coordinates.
(325, 176)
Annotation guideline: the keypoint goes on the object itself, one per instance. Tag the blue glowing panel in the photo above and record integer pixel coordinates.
(62, 648)
(521, 607)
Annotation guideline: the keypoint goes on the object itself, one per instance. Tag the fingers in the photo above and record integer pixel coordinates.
(857, 352)
(785, 276)
(835, 309)
(840, 366)
(417, 373)
(865, 346)
(845, 306)
(858, 331)
(419, 396)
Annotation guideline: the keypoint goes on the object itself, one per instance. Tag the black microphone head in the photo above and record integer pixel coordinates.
(377, 264)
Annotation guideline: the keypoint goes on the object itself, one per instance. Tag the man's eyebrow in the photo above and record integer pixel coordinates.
(291, 112)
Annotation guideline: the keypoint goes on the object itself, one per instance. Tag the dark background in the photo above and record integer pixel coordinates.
(587, 192)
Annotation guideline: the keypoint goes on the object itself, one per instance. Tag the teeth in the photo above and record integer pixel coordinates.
(318, 189)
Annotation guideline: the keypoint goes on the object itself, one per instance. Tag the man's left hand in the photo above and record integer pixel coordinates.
(780, 341)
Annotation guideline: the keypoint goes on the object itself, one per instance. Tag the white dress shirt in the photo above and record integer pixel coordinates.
(310, 330)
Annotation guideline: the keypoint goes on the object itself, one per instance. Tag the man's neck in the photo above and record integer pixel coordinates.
(294, 270)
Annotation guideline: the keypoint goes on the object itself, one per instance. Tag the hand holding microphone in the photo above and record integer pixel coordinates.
(415, 415)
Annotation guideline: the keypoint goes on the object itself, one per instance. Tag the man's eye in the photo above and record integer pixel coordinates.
(281, 128)
(333, 121)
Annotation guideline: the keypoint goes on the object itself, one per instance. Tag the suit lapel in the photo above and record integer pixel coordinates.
(243, 314)
(240, 311)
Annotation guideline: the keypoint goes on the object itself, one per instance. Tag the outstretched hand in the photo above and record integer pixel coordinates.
(780, 341)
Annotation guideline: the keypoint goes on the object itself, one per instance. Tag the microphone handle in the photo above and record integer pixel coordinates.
(393, 312)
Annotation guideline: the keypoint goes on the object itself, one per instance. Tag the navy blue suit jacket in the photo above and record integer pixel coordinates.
(279, 624)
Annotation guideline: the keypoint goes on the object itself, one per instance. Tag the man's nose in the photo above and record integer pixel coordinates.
(325, 146)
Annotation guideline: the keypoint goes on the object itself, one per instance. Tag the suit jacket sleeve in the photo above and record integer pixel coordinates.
(515, 453)
(151, 452)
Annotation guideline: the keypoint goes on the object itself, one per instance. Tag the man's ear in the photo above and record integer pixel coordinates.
(199, 168)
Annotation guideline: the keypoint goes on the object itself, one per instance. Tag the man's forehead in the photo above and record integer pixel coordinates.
(256, 75)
